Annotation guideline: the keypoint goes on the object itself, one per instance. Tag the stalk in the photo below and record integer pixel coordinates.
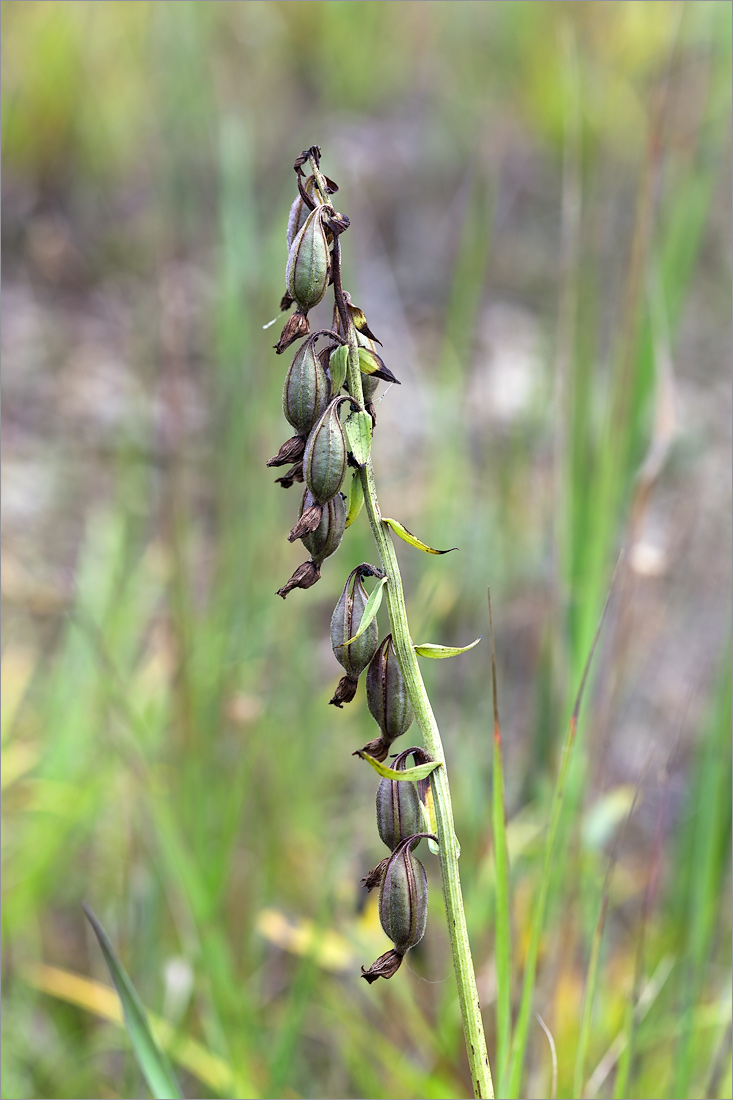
(473, 1028)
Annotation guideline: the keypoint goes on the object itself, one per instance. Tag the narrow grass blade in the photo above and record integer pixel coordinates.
(519, 1043)
(410, 774)
(407, 536)
(372, 607)
(102, 1001)
(440, 652)
(503, 946)
(153, 1063)
(592, 975)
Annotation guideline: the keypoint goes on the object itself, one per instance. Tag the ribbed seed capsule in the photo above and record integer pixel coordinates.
(398, 807)
(387, 693)
(324, 461)
(299, 211)
(403, 898)
(327, 536)
(345, 623)
(306, 390)
(307, 272)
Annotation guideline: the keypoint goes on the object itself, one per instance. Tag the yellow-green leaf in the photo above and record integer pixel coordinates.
(438, 652)
(412, 775)
(413, 540)
(358, 428)
(337, 365)
(356, 499)
(372, 607)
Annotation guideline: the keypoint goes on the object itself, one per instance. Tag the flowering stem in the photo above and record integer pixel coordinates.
(473, 1028)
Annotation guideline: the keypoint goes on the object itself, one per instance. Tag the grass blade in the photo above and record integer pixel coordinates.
(503, 948)
(519, 1043)
(153, 1063)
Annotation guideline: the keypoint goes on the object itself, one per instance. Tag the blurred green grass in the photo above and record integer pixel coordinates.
(540, 204)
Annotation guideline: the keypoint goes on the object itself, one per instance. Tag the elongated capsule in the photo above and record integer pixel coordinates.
(345, 623)
(307, 272)
(306, 390)
(326, 538)
(299, 211)
(403, 907)
(324, 461)
(398, 807)
(387, 696)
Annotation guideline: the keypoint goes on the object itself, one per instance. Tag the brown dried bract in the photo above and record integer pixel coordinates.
(345, 691)
(385, 966)
(305, 576)
(291, 450)
(296, 327)
(295, 473)
(307, 522)
(379, 748)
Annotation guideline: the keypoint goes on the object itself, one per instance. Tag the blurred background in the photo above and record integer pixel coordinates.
(540, 204)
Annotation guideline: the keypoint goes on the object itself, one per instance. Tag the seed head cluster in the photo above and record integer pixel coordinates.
(330, 425)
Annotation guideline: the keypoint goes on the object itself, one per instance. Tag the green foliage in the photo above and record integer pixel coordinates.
(168, 751)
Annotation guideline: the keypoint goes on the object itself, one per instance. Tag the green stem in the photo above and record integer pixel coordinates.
(473, 1028)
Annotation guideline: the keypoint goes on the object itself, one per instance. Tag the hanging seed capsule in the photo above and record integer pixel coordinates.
(345, 623)
(327, 536)
(299, 211)
(307, 272)
(403, 907)
(324, 461)
(399, 814)
(306, 390)
(387, 693)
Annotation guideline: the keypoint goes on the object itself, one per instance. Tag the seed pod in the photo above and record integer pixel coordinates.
(299, 211)
(345, 623)
(324, 461)
(387, 693)
(327, 536)
(308, 272)
(403, 898)
(399, 814)
(306, 390)
(403, 907)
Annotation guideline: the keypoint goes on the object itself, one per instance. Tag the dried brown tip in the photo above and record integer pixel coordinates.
(285, 302)
(307, 522)
(378, 748)
(295, 473)
(374, 878)
(291, 450)
(296, 326)
(385, 966)
(345, 691)
(305, 576)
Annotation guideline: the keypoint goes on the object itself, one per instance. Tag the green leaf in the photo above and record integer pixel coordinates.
(412, 775)
(356, 499)
(438, 652)
(337, 365)
(358, 428)
(152, 1061)
(372, 607)
(407, 536)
